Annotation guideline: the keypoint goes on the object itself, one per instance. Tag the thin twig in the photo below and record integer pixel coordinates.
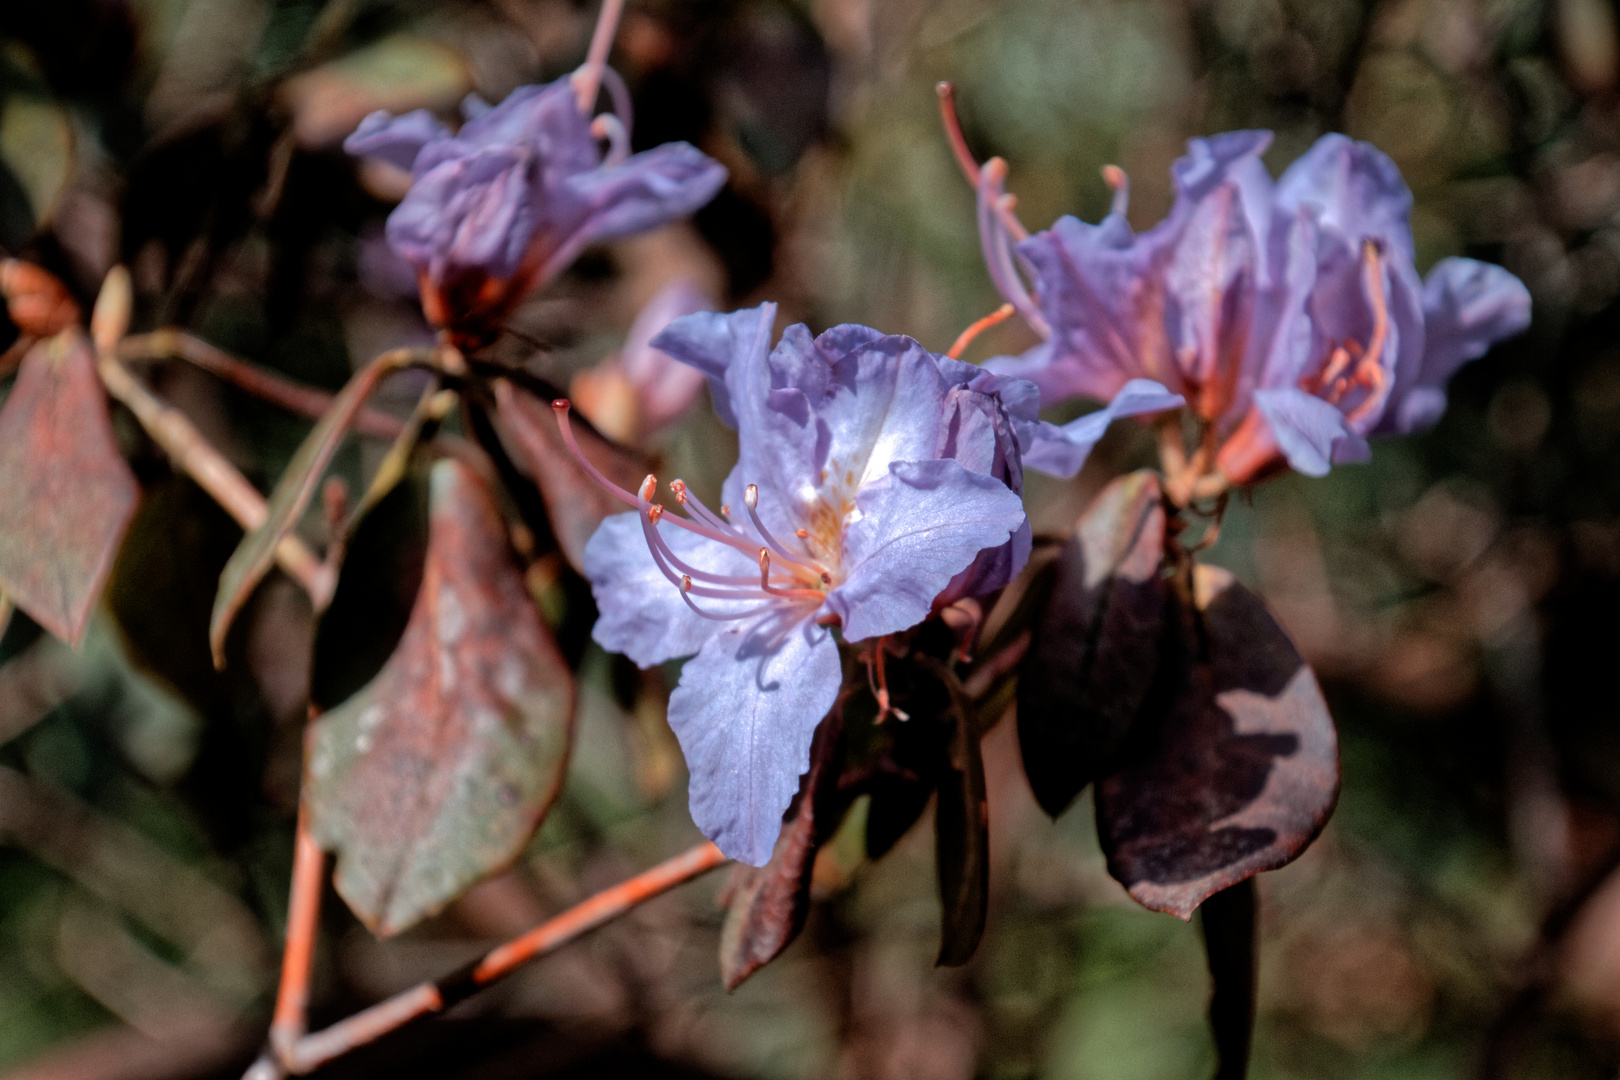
(197, 458)
(312, 1051)
(290, 1021)
(294, 397)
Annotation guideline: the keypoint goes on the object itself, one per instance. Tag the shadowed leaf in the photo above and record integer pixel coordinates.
(766, 906)
(1096, 643)
(439, 770)
(257, 552)
(66, 495)
(1233, 768)
(962, 839)
(1229, 943)
(575, 503)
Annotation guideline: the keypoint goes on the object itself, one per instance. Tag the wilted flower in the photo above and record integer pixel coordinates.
(640, 390)
(1288, 314)
(512, 198)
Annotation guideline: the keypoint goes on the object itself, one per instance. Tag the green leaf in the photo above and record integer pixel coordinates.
(1234, 767)
(1095, 645)
(437, 773)
(66, 494)
(257, 552)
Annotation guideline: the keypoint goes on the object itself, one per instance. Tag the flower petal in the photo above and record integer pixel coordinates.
(642, 614)
(715, 344)
(647, 190)
(918, 528)
(1467, 307)
(1355, 190)
(394, 139)
(1061, 451)
(1312, 434)
(745, 712)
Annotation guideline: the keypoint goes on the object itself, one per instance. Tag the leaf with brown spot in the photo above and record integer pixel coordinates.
(1096, 642)
(962, 837)
(575, 503)
(1233, 769)
(66, 494)
(437, 773)
(766, 906)
(256, 554)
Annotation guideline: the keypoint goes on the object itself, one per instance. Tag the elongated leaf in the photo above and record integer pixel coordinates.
(1229, 943)
(257, 552)
(66, 495)
(439, 770)
(962, 841)
(575, 503)
(1096, 643)
(766, 906)
(1234, 767)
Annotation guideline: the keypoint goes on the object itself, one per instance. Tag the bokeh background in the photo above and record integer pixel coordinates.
(1460, 917)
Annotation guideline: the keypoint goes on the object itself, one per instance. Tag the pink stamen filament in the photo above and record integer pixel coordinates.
(998, 257)
(694, 506)
(685, 586)
(792, 594)
(1115, 178)
(751, 500)
(607, 126)
(1350, 365)
(589, 75)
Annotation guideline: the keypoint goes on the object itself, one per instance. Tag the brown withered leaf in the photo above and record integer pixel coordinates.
(574, 502)
(256, 554)
(766, 906)
(66, 494)
(438, 771)
(1234, 766)
(1096, 642)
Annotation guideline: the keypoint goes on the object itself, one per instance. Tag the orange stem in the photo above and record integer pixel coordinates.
(963, 340)
(289, 1023)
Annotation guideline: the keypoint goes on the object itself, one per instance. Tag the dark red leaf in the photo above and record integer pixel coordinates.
(575, 503)
(766, 906)
(1096, 643)
(439, 770)
(962, 840)
(1233, 768)
(66, 495)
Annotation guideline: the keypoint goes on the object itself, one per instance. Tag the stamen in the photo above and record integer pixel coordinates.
(619, 94)
(1115, 177)
(589, 76)
(880, 690)
(561, 407)
(686, 587)
(751, 500)
(979, 326)
(607, 126)
(694, 506)
(765, 582)
(997, 247)
(953, 132)
(665, 556)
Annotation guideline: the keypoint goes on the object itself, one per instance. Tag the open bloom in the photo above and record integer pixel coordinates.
(1288, 314)
(509, 200)
(866, 486)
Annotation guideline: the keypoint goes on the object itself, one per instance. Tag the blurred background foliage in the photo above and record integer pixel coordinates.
(1460, 917)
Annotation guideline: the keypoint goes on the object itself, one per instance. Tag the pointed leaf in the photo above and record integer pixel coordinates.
(1229, 944)
(766, 906)
(1234, 767)
(962, 840)
(439, 770)
(66, 495)
(257, 552)
(1096, 643)
(575, 503)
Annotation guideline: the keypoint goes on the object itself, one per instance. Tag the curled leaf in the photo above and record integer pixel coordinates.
(1234, 766)
(766, 906)
(257, 552)
(66, 495)
(1096, 642)
(438, 771)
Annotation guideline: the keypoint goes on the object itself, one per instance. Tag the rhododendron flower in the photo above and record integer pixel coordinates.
(637, 392)
(509, 200)
(1288, 314)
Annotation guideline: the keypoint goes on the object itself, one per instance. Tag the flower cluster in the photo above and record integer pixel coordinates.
(509, 200)
(1288, 313)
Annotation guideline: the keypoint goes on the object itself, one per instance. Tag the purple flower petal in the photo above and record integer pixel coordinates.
(919, 527)
(745, 712)
(1312, 434)
(395, 139)
(1355, 191)
(1061, 451)
(714, 343)
(647, 190)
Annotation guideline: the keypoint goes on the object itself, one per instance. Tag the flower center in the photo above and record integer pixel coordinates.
(1351, 366)
(783, 578)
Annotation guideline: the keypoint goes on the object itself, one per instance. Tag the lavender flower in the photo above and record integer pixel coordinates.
(512, 198)
(866, 484)
(1288, 315)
